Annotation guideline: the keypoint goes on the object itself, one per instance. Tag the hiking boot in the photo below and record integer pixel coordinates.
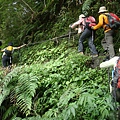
(105, 52)
(96, 55)
(81, 53)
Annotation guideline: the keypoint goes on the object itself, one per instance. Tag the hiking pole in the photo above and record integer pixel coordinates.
(93, 59)
(113, 93)
(92, 35)
(108, 75)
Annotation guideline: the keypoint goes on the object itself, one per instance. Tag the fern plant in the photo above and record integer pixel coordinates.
(24, 91)
(21, 90)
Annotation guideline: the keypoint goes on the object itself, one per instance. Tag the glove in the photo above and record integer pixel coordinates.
(92, 27)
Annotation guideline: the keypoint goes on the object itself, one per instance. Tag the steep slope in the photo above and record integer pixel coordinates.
(55, 82)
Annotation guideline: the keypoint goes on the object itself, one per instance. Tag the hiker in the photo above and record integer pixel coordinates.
(107, 42)
(85, 33)
(7, 54)
(113, 87)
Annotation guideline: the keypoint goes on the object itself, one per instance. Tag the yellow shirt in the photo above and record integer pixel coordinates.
(13, 48)
(103, 20)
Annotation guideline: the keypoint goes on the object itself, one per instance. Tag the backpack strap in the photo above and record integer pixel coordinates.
(8, 51)
(107, 25)
(86, 24)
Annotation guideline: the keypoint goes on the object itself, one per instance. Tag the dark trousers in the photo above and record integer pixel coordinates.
(6, 61)
(87, 33)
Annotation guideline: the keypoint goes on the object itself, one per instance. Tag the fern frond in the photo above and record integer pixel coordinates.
(10, 111)
(6, 87)
(24, 91)
(29, 118)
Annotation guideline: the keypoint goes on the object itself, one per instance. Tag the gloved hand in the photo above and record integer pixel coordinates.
(92, 27)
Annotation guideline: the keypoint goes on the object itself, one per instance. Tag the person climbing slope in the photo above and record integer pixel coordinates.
(85, 33)
(7, 54)
(104, 22)
(115, 83)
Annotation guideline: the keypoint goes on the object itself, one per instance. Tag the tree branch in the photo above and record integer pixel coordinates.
(28, 6)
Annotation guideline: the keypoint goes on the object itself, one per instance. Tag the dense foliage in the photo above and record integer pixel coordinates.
(51, 80)
(29, 21)
(57, 84)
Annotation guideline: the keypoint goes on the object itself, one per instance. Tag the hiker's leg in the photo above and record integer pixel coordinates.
(9, 63)
(91, 44)
(4, 61)
(104, 44)
(83, 36)
(109, 41)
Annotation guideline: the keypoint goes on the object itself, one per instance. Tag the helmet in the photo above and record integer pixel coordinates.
(10, 44)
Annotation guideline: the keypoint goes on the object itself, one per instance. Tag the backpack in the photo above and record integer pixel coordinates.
(114, 21)
(9, 51)
(115, 84)
(117, 74)
(89, 22)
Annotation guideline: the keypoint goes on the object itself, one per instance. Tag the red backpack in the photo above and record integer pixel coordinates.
(117, 73)
(90, 21)
(114, 21)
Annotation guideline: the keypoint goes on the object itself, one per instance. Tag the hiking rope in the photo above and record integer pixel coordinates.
(55, 38)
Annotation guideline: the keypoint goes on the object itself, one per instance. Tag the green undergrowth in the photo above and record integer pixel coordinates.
(54, 82)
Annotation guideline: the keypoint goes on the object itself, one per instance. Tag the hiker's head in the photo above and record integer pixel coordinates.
(10, 44)
(102, 9)
(81, 16)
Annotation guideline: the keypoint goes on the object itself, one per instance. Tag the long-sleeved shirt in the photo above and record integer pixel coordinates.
(111, 62)
(103, 21)
(14, 48)
(80, 22)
